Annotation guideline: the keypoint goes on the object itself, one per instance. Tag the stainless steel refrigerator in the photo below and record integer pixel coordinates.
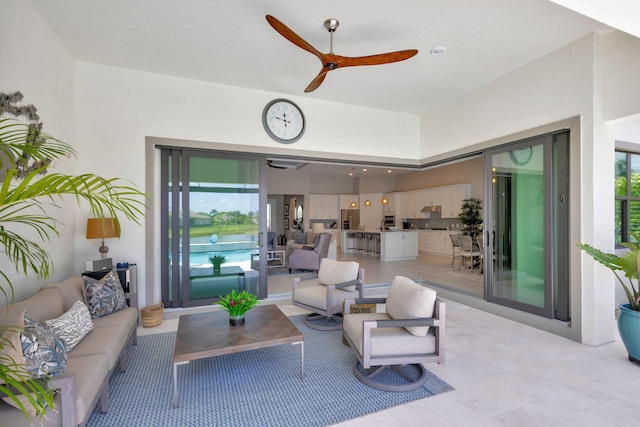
(350, 219)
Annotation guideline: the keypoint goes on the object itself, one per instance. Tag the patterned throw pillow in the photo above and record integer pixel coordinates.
(105, 296)
(72, 326)
(44, 353)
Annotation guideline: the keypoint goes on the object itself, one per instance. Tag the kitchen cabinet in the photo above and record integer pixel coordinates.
(390, 208)
(398, 246)
(323, 206)
(435, 242)
(452, 199)
(344, 201)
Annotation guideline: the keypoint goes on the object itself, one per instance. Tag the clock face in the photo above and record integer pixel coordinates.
(283, 121)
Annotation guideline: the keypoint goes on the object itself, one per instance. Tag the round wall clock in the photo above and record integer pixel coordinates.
(521, 157)
(283, 121)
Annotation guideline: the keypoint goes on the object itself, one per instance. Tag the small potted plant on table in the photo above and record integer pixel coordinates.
(217, 261)
(237, 305)
(628, 314)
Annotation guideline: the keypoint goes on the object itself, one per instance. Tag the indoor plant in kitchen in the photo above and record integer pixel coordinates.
(628, 314)
(471, 218)
(237, 305)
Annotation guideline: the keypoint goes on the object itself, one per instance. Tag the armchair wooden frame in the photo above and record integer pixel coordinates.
(401, 363)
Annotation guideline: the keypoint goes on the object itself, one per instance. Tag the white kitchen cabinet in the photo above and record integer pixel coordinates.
(435, 242)
(390, 208)
(398, 246)
(323, 206)
(344, 201)
(452, 199)
(432, 197)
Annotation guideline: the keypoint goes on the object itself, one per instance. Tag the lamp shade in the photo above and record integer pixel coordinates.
(101, 228)
(317, 227)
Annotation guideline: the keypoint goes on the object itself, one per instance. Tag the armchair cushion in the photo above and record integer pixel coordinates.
(386, 341)
(334, 272)
(409, 300)
(302, 238)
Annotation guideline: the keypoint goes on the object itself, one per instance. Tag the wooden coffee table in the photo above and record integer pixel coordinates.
(209, 334)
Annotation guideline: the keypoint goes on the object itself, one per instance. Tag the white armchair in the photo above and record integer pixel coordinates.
(409, 334)
(324, 296)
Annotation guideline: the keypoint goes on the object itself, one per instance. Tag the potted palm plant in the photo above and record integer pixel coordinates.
(629, 314)
(27, 191)
(217, 261)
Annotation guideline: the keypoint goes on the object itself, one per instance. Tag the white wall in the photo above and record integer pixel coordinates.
(33, 61)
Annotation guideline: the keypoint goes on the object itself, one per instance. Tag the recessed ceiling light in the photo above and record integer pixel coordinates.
(389, 171)
(364, 170)
(438, 50)
(350, 173)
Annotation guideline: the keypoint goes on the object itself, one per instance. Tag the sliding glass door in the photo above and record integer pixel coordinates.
(212, 226)
(526, 212)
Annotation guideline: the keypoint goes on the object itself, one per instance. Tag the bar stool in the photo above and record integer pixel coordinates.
(351, 242)
(359, 242)
(368, 243)
(376, 244)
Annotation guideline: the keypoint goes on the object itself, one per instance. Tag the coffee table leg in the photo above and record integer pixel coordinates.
(175, 381)
(301, 357)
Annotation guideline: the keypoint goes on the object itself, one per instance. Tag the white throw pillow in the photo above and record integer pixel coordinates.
(332, 272)
(409, 300)
(73, 325)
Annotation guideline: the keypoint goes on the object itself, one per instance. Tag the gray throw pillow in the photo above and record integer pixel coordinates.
(302, 238)
(104, 296)
(44, 353)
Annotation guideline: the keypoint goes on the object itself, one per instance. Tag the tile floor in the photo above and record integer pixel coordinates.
(507, 374)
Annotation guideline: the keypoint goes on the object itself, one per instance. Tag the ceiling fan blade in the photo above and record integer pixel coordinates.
(315, 83)
(382, 58)
(288, 34)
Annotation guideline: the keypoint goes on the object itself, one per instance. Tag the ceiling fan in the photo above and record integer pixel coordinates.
(331, 61)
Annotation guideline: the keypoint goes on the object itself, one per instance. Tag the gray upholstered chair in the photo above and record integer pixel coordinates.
(409, 334)
(324, 296)
(309, 258)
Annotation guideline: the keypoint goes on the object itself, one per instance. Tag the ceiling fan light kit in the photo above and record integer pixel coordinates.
(331, 61)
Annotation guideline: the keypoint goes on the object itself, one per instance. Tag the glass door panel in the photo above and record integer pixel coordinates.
(215, 210)
(526, 226)
(518, 219)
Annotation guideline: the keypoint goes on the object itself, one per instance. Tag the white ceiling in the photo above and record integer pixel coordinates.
(230, 42)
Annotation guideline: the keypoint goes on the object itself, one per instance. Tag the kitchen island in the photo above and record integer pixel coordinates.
(388, 245)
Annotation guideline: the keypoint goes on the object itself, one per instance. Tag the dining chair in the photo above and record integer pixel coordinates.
(467, 251)
(455, 248)
(480, 241)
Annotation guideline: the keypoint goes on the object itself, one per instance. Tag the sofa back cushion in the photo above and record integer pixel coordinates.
(71, 290)
(409, 300)
(46, 304)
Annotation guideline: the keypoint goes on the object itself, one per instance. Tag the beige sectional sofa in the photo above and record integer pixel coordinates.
(89, 365)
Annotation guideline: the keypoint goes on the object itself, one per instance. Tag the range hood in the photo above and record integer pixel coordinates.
(434, 208)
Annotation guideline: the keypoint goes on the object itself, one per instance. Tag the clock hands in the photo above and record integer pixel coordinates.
(283, 118)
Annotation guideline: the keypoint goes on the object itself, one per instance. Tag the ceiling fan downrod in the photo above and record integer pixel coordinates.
(331, 25)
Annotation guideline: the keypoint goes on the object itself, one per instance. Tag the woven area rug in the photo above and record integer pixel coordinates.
(254, 388)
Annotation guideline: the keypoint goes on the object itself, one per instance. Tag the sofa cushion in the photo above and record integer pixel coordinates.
(11, 351)
(44, 305)
(44, 353)
(127, 318)
(332, 272)
(109, 340)
(408, 300)
(71, 290)
(104, 296)
(72, 326)
(90, 372)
